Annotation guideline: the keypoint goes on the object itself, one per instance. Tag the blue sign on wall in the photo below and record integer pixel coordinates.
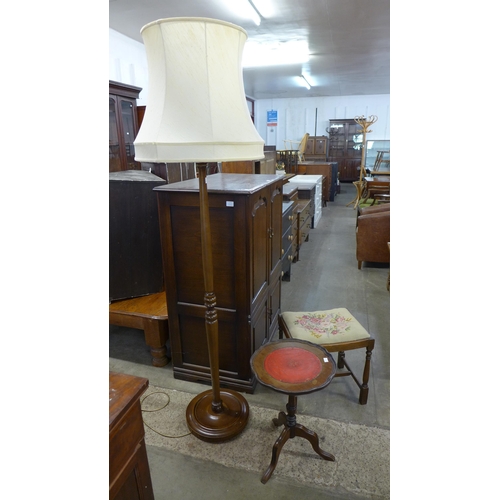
(272, 118)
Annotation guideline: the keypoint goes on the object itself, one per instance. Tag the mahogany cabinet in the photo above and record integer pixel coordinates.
(129, 475)
(246, 232)
(316, 148)
(344, 147)
(123, 126)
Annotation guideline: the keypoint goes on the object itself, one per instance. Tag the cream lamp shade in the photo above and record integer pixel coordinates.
(196, 109)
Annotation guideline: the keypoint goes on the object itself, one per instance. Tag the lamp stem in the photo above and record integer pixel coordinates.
(211, 324)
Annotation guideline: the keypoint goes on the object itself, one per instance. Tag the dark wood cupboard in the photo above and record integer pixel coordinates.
(123, 126)
(246, 232)
(344, 147)
(316, 148)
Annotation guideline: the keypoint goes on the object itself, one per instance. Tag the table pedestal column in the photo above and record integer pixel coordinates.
(291, 430)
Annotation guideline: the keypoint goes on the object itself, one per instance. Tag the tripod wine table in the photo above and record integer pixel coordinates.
(293, 367)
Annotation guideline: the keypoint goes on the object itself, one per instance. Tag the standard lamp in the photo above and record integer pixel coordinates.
(197, 112)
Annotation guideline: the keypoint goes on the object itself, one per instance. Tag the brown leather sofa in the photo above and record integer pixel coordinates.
(373, 234)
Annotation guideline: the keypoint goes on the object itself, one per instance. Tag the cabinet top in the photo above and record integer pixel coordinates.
(225, 183)
(306, 179)
(124, 390)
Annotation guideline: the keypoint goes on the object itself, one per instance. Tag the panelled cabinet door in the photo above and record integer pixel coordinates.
(309, 146)
(320, 148)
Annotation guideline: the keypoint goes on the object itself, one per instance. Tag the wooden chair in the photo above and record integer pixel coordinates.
(148, 313)
(301, 146)
(337, 331)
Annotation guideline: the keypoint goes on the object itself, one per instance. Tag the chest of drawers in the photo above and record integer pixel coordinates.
(311, 187)
(303, 223)
(289, 239)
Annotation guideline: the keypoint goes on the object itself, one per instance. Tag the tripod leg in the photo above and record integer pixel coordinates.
(312, 437)
(278, 445)
(281, 420)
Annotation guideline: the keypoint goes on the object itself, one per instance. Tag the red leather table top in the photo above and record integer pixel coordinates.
(293, 366)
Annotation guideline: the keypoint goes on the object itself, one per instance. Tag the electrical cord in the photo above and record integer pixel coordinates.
(158, 409)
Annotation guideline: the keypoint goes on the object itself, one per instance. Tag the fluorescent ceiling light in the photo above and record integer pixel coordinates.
(254, 15)
(275, 53)
(308, 85)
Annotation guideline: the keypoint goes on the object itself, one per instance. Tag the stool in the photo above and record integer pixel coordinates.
(148, 313)
(293, 367)
(337, 330)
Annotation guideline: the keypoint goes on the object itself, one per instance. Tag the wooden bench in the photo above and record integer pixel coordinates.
(148, 313)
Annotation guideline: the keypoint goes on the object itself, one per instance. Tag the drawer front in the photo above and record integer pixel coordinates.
(287, 222)
(287, 239)
(286, 265)
(304, 215)
(304, 231)
(124, 438)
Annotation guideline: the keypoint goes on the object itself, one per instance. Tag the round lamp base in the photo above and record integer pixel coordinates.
(214, 427)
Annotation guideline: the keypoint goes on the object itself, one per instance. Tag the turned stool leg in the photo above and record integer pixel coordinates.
(341, 360)
(156, 333)
(363, 394)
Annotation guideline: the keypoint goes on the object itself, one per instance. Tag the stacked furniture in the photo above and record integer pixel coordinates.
(136, 290)
(316, 148)
(311, 188)
(330, 173)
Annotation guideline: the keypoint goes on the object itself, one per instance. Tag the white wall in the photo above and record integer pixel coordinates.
(128, 64)
(312, 115)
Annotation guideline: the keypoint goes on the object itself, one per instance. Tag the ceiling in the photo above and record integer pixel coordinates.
(348, 40)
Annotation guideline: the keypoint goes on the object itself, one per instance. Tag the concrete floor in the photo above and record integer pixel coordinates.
(326, 276)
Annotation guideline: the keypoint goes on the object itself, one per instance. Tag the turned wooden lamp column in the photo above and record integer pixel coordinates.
(364, 123)
(196, 111)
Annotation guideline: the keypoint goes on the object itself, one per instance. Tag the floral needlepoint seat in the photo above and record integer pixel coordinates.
(337, 330)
